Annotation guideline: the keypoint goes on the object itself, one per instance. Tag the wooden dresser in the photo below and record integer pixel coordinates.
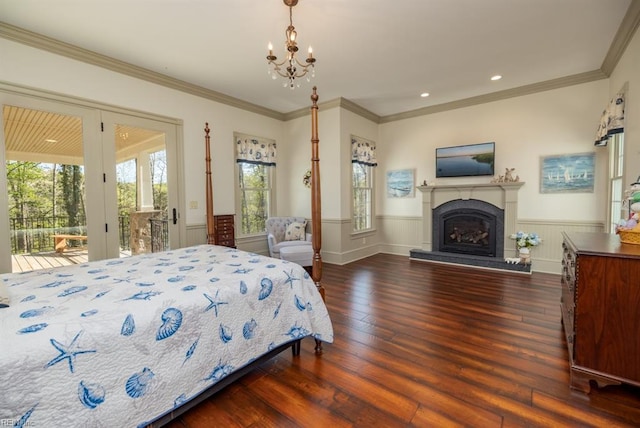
(224, 230)
(601, 309)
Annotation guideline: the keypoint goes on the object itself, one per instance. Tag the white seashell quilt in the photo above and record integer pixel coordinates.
(121, 342)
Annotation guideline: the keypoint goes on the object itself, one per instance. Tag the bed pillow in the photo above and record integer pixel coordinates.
(4, 296)
(295, 232)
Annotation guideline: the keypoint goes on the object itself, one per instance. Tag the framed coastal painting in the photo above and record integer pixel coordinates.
(567, 173)
(401, 183)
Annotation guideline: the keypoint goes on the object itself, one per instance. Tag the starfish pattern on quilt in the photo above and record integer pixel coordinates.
(69, 351)
(214, 303)
(290, 278)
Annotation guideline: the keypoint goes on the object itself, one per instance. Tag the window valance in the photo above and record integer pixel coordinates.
(363, 151)
(612, 120)
(255, 150)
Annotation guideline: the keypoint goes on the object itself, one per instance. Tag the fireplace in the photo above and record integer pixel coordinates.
(469, 224)
(471, 227)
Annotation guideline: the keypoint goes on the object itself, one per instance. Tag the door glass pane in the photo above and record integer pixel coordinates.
(141, 171)
(46, 188)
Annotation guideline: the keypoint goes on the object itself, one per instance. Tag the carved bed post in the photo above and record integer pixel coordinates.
(316, 206)
(209, 188)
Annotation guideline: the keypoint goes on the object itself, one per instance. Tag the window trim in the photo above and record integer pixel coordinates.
(616, 148)
(372, 226)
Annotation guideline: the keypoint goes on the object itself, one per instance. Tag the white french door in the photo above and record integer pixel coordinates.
(140, 163)
(79, 162)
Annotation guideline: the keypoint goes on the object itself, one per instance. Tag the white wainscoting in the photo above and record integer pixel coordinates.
(547, 257)
(196, 234)
(400, 234)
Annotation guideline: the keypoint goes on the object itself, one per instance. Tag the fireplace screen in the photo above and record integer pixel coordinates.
(468, 233)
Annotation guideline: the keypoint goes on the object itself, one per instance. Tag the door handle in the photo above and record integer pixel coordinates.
(175, 216)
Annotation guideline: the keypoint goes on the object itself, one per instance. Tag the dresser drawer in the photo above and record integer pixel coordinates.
(224, 230)
(227, 243)
(568, 306)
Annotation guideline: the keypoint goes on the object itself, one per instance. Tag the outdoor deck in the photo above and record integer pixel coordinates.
(45, 260)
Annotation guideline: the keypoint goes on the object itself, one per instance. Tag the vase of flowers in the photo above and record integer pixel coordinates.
(524, 242)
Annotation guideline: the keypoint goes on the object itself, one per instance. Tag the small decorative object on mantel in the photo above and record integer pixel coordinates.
(507, 177)
(524, 242)
(306, 179)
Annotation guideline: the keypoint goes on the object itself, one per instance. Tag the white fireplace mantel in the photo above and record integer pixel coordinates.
(502, 195)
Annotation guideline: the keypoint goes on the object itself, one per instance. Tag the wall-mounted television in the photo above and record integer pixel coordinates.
(465, 161)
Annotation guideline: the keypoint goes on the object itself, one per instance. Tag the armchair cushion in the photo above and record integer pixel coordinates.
(295, 232)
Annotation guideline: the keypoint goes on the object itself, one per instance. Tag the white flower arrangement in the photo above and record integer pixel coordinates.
(526, 240)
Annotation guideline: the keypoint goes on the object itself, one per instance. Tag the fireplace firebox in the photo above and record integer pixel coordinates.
(470, 227)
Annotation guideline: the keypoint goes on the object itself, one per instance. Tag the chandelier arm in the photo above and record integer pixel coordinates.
(305, 64)
(278, 64)
(279, 71)
(301, 73)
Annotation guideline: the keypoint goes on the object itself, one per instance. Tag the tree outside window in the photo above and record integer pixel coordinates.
(255, 190)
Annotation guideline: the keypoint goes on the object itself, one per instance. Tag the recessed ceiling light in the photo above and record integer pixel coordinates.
(49, 140)
(496, 77)
(424, 94)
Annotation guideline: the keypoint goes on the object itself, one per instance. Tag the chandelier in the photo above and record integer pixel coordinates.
(291, 68)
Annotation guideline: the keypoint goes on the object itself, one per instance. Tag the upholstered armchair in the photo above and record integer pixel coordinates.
(286, 232)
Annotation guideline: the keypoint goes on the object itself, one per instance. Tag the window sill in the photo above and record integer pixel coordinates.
(363, 233)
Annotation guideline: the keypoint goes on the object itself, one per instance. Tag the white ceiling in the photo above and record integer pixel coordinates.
(379, 54)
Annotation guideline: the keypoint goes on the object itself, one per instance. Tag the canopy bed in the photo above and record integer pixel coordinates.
(137, 341)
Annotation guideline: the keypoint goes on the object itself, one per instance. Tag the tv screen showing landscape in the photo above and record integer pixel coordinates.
(464, 161)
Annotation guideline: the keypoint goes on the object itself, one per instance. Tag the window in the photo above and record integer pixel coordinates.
(255, 190)
(362, 196)
(363, 161)
(616, 170)
(255, 159)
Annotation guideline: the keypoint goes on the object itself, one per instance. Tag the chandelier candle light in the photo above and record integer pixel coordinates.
(293, 68)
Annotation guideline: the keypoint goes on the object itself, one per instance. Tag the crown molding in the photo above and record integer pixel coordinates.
(361, 111)
(547, 85)
(625, 33)
(39, 41)
(337, 102)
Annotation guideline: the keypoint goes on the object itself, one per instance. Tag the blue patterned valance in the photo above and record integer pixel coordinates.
(612, 120)
(363, 151)
(255, 150)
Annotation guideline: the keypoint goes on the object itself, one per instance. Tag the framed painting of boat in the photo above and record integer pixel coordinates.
(567, 173)
(401, 184)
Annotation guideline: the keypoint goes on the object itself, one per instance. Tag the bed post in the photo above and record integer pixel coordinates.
(316, 207)
(209, 188)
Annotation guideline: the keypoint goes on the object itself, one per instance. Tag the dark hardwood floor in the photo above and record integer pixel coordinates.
(418, 344)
